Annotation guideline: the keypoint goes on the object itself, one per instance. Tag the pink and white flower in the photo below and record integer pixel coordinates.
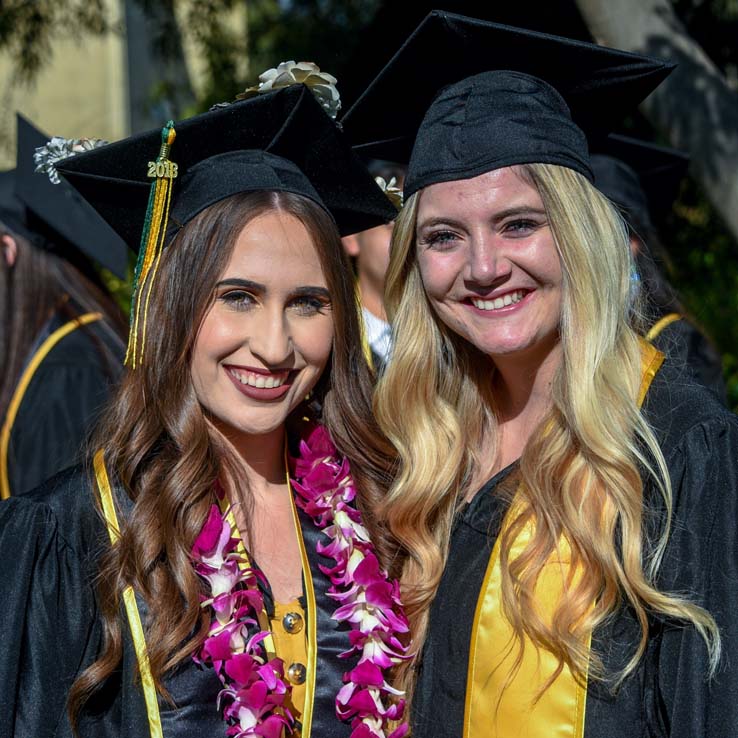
(254, 689)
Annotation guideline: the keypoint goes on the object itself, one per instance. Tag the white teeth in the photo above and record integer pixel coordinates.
(499, 302)
(258, 380)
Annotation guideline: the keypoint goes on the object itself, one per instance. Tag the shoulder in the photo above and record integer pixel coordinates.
(698, 438)
(691, 352)
(63, 507)
(679, 409)
(94, 344)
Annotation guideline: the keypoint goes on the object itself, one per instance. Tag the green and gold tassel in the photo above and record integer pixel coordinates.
(164, 172)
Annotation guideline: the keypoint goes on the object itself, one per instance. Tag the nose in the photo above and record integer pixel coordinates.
(271, 338)
(487, 261)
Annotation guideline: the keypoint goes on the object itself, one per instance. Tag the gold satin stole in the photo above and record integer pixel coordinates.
(496, 707)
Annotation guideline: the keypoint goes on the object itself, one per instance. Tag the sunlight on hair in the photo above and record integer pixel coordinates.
(581, 469)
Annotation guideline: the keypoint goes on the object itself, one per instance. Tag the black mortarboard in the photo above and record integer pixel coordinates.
(54, 216)
(642, 178)
(13, 213)
(281, 141)
(475, 96)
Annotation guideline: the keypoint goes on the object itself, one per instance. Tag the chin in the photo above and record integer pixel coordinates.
(233, 427)
(498, 346)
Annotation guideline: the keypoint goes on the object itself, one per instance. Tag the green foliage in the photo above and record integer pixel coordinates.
(704, 268)
(120, 289)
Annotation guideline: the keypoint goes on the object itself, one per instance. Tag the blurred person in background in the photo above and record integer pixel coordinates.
(61, 333)
(369, 252)
(643, 180)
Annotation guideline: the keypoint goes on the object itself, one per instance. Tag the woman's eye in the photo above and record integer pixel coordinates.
(519, 227)
(439, 238)
(238, 299)
(309, 305)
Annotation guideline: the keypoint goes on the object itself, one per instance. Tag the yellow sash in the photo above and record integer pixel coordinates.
(129, 599)
(304, 693)
(22, 386)
(660, 324)
(496, 708)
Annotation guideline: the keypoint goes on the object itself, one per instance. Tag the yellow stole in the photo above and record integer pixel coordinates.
(496, 707)
(303, 694)
(659, 325)
(20, 391)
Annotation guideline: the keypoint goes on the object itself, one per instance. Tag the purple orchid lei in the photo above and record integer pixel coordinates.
(254, 689)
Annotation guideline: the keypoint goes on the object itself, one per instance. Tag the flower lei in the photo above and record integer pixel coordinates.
(254, 689)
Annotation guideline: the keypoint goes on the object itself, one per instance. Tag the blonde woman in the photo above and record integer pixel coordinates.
(564, 505)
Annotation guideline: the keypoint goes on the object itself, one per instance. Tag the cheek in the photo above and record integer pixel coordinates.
(439, 272)
(380, 247)
(314, 340)
(216, 338)
(545, 259)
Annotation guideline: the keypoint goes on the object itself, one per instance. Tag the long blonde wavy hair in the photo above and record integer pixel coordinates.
(581, 470)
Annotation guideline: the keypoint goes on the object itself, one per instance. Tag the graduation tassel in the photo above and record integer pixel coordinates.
(164, 172)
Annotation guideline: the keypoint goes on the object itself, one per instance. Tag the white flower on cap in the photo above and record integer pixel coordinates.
(45, 157)
(321, 84)
(393, 192)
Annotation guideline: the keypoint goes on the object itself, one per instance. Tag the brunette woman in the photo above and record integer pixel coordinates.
(209, 573)
(565, 501)
(61, 334)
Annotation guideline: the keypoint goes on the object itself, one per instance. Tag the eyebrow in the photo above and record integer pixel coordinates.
(247, 283)
(303, 290)
(310, 291)
(499, 216)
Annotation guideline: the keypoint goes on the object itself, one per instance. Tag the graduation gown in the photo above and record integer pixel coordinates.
(66, 381)
(687, 347)
(669, 694)
(50, 630)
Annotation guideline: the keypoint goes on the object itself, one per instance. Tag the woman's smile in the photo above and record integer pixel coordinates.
(259, 384)
(502, 303)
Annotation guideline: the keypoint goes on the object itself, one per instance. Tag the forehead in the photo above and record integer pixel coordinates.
(276, 249)
(496, 190)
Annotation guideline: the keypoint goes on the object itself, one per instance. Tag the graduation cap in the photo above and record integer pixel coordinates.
(469, 96)
(52, 216)
(13, 212)
(641, 178)
(279, 141)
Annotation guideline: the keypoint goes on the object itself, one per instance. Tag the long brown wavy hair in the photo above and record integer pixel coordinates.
(162, 449)
(584, 468)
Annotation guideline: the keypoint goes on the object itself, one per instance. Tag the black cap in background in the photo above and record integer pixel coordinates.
(53, 216)
(641, 178)
(470, 96)
(279, 141)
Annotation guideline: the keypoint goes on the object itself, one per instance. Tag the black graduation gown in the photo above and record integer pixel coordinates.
(669, 694)
(62, 401)
(50, 630)
(686, 346)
